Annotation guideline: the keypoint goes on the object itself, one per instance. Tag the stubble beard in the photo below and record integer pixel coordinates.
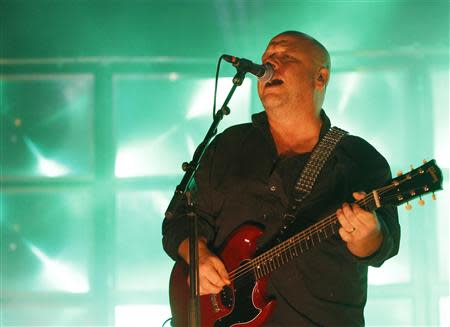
(277, 106)
(273, 103)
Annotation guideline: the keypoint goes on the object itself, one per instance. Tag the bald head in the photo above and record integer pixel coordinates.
(301, 73)
(319, 53)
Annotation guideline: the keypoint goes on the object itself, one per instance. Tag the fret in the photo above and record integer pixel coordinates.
(277, 257)
(261, 270)
(276, 262)
(270, 261)
(298, 247)
(318, 235)
(331, 229)
(290, 249)
(265, 269)
(295, 250)
(256, 272)
(288, 253)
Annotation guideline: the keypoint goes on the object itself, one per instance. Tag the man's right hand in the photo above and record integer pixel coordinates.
(212, 273)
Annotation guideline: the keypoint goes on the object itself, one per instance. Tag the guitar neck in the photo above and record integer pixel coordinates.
(422, 180)
(296, 245)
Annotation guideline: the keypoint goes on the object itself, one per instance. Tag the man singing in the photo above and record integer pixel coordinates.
(248, 174)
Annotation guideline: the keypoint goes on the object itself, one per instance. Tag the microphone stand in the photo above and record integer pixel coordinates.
(182, 193)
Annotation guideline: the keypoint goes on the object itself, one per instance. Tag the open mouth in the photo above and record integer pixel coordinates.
(274, 82)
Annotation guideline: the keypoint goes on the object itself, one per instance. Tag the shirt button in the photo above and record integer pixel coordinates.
(273, 188)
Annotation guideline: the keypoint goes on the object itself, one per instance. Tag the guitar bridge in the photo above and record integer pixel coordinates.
(214, 303)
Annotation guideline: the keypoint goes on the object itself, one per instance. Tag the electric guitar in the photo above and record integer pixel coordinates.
(244, 302)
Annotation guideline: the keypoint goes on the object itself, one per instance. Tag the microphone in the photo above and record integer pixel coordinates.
(263, 72)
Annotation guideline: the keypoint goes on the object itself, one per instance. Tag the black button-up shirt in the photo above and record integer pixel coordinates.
(242, 179)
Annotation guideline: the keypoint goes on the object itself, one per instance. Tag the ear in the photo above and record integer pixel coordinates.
(322, 78)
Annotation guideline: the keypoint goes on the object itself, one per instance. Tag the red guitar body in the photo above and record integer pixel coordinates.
(243, 303)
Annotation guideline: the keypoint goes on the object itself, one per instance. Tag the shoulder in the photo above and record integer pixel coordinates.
(357, 148)
(362, 162)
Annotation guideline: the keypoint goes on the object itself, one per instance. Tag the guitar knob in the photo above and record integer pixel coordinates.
(408, 206)
(399, 173)
(421, 202)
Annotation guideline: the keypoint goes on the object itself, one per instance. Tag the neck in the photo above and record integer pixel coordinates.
(296, 134)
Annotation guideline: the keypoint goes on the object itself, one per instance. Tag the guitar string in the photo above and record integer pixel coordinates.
(303, 235)
(306, 234)
(296, 239)
(252, 264)
(279, 248)
(289, 245)
(284, 249)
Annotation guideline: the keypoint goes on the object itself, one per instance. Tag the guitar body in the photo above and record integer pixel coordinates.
(243, 303)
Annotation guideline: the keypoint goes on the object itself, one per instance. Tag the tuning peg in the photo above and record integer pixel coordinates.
(424, 161)
(421, 202)
(399, 173)
(411, 166)
(433, 196)
(408, 206)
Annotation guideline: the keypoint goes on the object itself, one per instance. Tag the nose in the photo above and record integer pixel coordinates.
(268, 73)
(272, 62)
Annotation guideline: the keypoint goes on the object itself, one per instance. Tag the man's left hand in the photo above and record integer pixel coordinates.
(360, 229)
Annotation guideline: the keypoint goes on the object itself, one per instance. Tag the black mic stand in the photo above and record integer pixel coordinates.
(182, 193)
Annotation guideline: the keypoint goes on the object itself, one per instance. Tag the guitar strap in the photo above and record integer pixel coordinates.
(310, 172)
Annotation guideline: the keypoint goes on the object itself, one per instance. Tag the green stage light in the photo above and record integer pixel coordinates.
(57, 274)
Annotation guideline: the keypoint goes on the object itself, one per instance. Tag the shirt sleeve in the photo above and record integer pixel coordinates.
(391, 237)
(371, 171)
(176, 228)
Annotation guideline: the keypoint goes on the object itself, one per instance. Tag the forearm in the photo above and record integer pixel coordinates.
(183, 249)
(176, 230)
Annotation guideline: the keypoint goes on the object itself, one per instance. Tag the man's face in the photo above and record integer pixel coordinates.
(294, 72)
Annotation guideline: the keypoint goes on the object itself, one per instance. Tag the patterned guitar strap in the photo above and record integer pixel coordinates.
(309, 174)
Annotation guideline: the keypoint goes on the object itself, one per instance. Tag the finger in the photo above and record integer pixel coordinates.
(220, 267)
(359, 195)
(210, 273)
(206, 287)
(351, 217)
(363, 218)
(348, 227)
(346, 236)
(369, 219)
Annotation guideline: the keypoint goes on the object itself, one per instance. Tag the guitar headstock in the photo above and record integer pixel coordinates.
(422, 180)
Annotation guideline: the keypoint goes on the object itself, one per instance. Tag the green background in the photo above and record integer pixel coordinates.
(101, 102)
